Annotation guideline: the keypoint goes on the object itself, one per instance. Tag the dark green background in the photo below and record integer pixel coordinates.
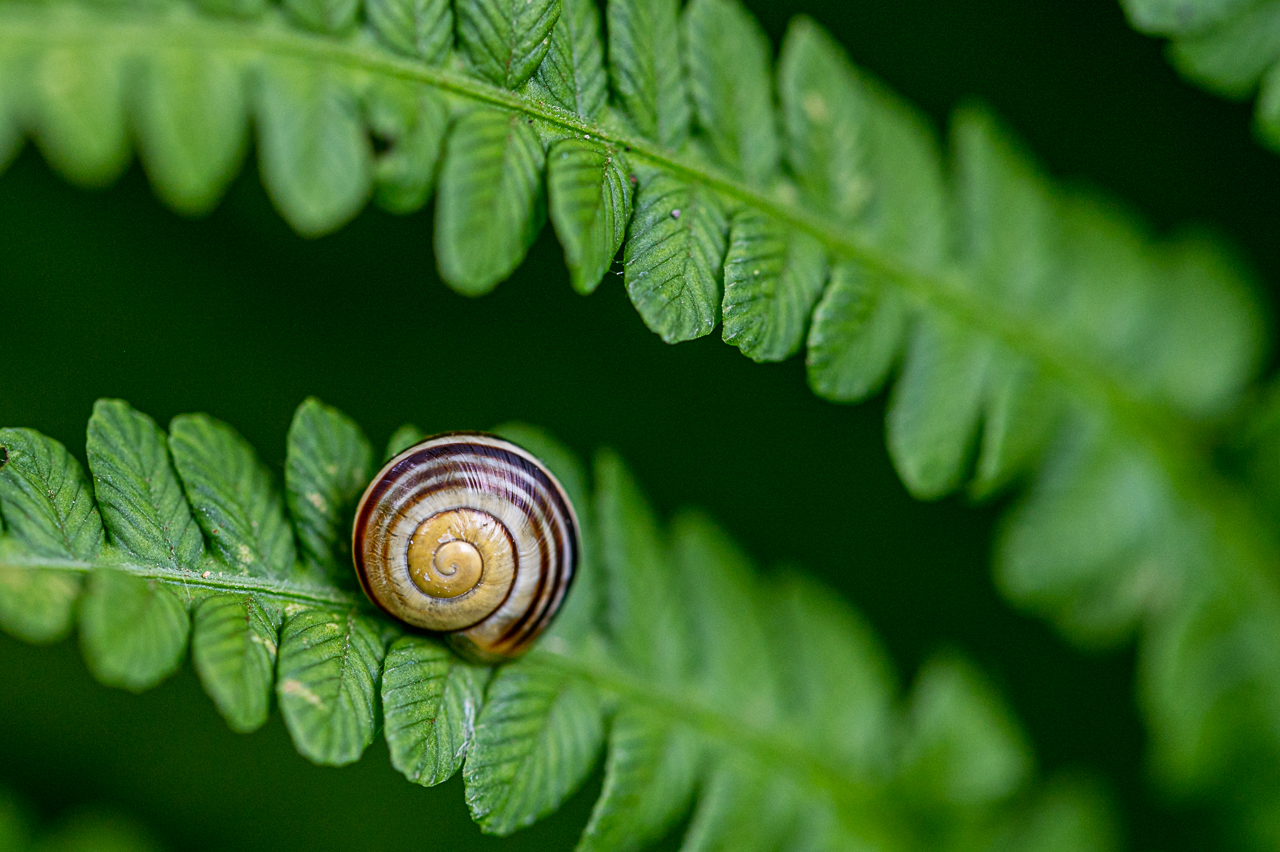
(108, 294)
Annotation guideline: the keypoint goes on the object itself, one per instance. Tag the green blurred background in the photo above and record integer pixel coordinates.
(107, 294)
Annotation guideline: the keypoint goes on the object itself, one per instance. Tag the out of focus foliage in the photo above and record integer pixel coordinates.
(81, 831)
(1231, 47)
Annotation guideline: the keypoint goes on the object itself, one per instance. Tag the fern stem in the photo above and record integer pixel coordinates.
(851, 790)
(718, 725)
(277, 591)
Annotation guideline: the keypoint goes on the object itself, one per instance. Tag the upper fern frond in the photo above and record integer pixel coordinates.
(1038, 331)
(775, 718)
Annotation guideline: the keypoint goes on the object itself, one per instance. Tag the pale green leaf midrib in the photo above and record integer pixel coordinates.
(218, 581)
(772, 747)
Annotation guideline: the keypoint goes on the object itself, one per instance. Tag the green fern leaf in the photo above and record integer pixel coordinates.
(48, 504)
(235, 501)
(1009, 242)
(727, 55)
(190, 121)
(490, 207)
(674, 258)
(909, 215)
(772, 278)
(825, 120)
(1202, 682)
(1231, 47)
(314, 152)
(640, 592)
(37, 607)
(573, 75)
(648, 782)
(430, 701)
(857, 332)
(133, 631)
(1094, 586)
(841, 692)
(590, 205)
(732, 658)
(413, 120)
(328, 464)
(741, 808)
(962, 745)
(142, 503)
(233, 646)
(79, 113)
(1067, 815)
(644, 65)
(953, 383)
(1232, 55)
(506, 40)
(1019, 303)
(536, 740)
(323, 16)
(402, 439)
(860, 323)
(1058, 314)
(327, 677)
(1022, 413)
(1207, 297)
(936, 407)
(1006, 216)
(419, 28)
(244, 9)
(1161, 15)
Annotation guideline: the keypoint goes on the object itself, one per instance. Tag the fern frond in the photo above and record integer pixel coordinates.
(769, 714)
(1042, 333)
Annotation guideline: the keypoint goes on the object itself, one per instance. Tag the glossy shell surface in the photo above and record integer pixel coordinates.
(467, 535)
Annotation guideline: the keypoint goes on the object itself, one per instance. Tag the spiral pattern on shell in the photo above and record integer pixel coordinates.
(471, 536)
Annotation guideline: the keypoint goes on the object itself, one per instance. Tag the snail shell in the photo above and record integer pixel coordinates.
(471, 536)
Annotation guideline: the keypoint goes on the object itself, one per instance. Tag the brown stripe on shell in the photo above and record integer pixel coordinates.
(501, 471)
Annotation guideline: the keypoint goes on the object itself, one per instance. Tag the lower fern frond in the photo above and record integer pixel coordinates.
(771, 717)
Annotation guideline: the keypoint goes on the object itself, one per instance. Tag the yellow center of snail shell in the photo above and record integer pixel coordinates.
(450, 550)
